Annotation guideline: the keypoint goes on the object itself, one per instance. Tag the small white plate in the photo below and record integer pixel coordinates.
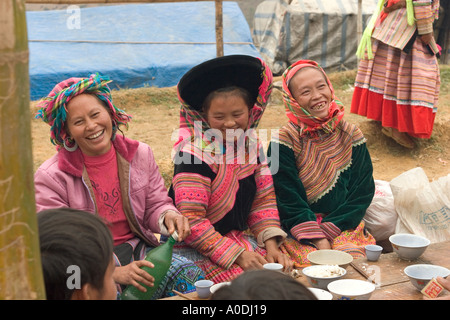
(218, 285)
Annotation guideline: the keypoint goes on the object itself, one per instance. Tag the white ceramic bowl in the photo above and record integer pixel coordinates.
(321, 282)
(321, 294)
(421, 274)
(330, 257)
(373, 252)
(203, 288)
(273, 266)
(409, 246)
(351, 289)
(215, 287)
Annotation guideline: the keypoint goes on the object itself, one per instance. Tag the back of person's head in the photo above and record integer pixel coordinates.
(264, 285)
(72, 240)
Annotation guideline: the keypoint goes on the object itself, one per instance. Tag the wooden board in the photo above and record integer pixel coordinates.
(393, 283)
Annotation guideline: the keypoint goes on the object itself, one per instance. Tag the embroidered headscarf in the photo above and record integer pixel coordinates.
(247, 72)
(300, 116)
(53, 108)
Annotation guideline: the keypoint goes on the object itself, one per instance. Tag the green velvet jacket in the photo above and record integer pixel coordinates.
(341, 208)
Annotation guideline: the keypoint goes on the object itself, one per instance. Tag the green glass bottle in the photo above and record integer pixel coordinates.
(161, 257)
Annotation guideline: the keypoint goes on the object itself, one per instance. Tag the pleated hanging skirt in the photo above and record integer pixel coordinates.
(399, 89)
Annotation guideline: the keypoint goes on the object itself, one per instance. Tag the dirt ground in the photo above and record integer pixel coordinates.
(155, 114)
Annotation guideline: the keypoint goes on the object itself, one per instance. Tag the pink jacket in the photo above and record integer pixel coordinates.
(62, 181)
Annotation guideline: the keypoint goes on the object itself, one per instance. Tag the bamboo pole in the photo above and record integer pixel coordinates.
(137, 42)
(359, 27)
(219, 28)
(20, 264)
(103, 1)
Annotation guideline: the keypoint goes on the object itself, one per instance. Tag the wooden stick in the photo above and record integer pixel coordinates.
(104, 1)
(359, 24)
(136, 42)
(362, 272)
(182, 295)
(219, 28)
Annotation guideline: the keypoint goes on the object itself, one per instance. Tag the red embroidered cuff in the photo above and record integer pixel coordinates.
(330, 230)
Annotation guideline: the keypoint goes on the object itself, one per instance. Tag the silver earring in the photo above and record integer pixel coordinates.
(72, 148)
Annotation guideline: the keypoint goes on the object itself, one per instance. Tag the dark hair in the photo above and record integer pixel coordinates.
(70, 237)
(231, 91)
(264, 285)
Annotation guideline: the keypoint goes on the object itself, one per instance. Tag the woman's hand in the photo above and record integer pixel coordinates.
(175, 221)
(274, 254)
(249, 260)
(134, 275)
(446, 284)
(395, 6)
(322, 243)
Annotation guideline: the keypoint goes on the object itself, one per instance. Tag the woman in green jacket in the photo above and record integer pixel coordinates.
(321, 167)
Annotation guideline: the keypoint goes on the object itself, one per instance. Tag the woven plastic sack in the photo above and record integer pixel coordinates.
(423, 207)
(381, 217)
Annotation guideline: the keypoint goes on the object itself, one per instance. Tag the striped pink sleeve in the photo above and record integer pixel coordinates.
(307, 230)
(315, 230)
(192, 194)
(424, 16)
(264, 211)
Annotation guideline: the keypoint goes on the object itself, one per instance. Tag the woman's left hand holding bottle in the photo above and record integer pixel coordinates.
(132, 274)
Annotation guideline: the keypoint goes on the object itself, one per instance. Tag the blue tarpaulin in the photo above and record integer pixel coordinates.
(135, 45)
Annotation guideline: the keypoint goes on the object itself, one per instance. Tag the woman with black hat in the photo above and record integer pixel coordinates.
(221, 181)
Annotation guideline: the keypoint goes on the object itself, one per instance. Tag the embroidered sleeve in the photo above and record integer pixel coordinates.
(192, 191)
(264, 220)
(424, 16)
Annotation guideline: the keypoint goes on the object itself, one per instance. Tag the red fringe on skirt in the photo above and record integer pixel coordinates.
(416, 121)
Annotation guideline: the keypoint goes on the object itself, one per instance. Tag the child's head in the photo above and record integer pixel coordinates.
(264, 285)
(309, 87)
(232, 71)
(242, 81)
(76, 254)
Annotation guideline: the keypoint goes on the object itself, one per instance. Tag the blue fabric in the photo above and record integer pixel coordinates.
(130, 65)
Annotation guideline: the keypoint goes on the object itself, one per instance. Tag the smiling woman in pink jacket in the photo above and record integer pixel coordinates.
(112, 176)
